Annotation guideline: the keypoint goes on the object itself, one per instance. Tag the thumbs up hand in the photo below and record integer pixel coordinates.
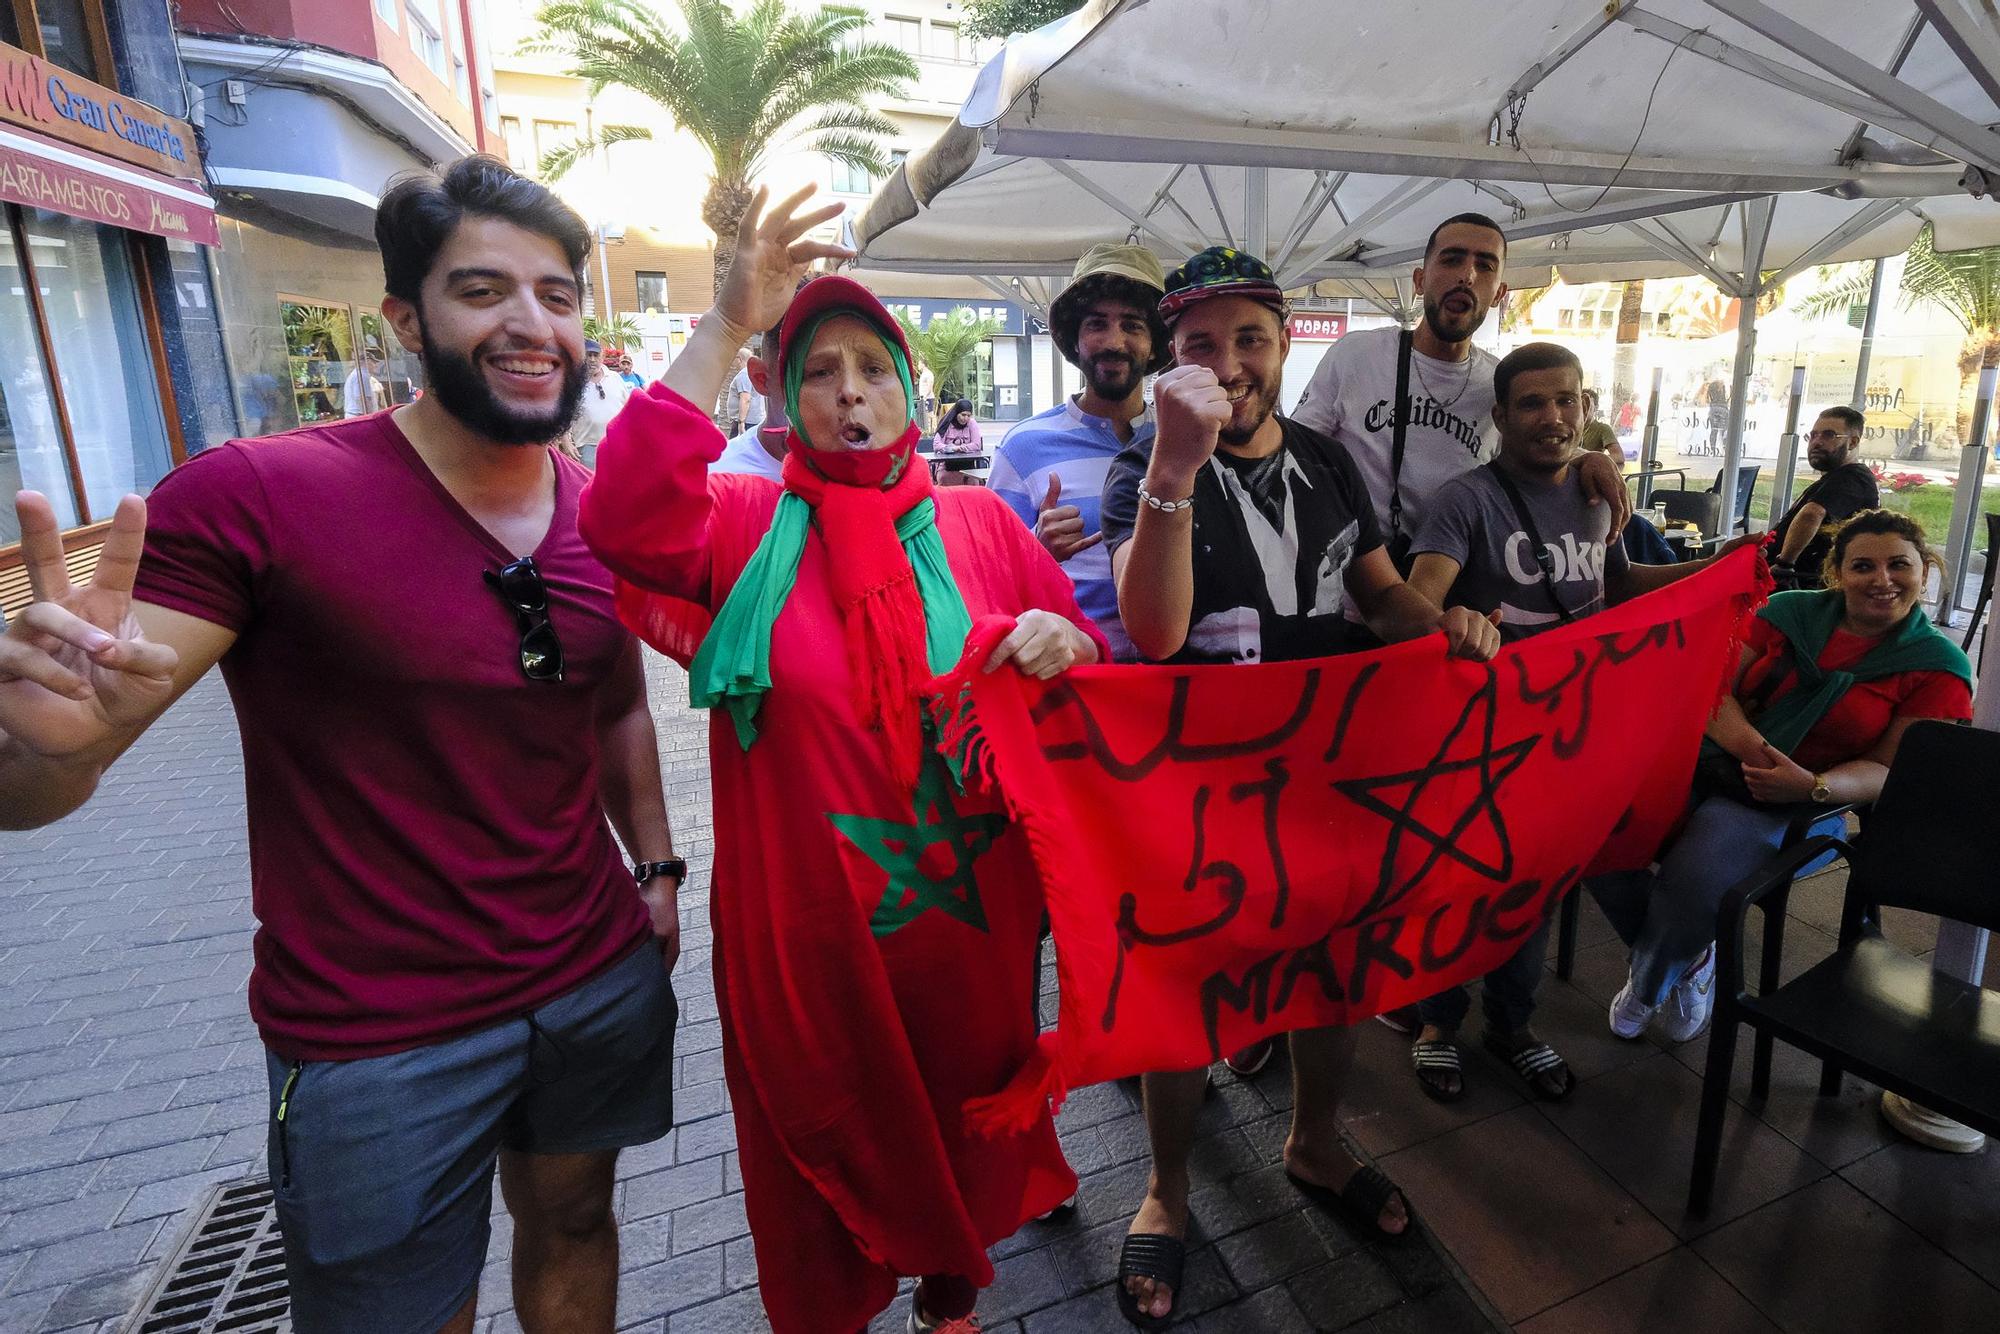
(1059, 527)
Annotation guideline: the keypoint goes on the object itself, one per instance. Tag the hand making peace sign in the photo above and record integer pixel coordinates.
(75, 668)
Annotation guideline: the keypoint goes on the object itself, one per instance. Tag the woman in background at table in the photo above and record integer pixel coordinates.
(957, 433)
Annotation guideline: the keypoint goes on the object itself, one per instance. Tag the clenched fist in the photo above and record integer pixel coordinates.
(1191, 408)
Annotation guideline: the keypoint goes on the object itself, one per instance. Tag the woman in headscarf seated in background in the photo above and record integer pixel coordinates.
(1829, 681)
(955, 445)
(875, 925)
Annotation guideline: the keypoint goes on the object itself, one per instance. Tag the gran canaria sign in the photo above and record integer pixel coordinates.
(52, 101)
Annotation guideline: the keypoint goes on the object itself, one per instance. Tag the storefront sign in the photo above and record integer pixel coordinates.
(38, 174)
(1318, 327)
(66, 106)
(922, 310)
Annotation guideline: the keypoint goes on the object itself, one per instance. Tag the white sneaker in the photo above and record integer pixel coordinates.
(1692, 1002)
(1628, 1017)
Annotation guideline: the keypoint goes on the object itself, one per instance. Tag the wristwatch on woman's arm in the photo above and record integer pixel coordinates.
(673, 866)
(1821, 793)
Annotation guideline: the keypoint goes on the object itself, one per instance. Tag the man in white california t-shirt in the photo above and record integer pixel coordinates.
(1449, 399)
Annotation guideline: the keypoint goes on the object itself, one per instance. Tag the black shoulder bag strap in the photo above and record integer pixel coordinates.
(1399, 434)
(1544, 560)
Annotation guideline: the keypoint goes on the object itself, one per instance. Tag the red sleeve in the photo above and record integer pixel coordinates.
(1935, 695)
(208, 539)
(646, 514)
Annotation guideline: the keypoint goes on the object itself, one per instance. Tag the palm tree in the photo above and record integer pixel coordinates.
(1965, 284)
(741, 84)
(618, 331)
(947, 346)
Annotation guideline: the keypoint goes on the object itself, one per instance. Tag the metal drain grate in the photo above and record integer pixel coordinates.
(228, 1275)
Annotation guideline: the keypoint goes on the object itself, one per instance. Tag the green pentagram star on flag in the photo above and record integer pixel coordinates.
(929, 860)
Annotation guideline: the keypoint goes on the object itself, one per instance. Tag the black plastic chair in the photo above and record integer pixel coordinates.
(1985, 580)
(1703, 509)
(1746, 486)
(1570, 913)
(1871, 1008)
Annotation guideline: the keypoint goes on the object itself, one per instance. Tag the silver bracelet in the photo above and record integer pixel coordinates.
(1151, 501)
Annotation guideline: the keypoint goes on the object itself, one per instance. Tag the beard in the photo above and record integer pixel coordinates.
(1263, 401)
(1446, 327)
(1113, 376)
(463, 392)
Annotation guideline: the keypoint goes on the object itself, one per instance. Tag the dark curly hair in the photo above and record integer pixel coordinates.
(421, 209)
(1066, 314)
(1876, 523)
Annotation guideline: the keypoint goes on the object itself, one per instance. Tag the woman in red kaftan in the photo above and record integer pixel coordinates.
(875, 927)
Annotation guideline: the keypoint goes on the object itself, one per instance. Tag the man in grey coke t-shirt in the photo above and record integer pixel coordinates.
(1474, 549)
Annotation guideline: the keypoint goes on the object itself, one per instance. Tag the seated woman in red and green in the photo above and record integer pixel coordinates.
(1829, 681)
(875, 925)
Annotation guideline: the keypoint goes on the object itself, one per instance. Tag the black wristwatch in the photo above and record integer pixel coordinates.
(673, 866)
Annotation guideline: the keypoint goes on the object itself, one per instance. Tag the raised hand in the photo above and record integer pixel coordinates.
(1191, 409)
(771, 259)
(75, 669)
(1060, 527)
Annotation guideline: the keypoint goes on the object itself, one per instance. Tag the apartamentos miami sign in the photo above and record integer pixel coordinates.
(49, 100)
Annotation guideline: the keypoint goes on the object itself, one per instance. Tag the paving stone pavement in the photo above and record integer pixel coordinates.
(131, 1081)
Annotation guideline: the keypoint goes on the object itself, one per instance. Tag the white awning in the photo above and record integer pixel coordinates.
(1331, 135)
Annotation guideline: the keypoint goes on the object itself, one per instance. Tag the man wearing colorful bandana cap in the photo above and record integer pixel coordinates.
(875, 923)
(1050, 469)
(1240, 536)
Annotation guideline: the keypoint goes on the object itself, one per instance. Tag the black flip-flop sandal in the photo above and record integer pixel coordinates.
(1149, 1255)
(1362, 1200)
(1539, 1065)
(1433, 1061)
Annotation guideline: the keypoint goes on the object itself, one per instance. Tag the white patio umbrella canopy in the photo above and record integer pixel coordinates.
(1726, 138)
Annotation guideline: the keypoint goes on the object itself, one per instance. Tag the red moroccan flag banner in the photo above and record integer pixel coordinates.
(1229, 852)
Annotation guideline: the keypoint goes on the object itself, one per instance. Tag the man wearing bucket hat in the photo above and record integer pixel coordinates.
(1238, 535)
(1050, 469)
(875, 924)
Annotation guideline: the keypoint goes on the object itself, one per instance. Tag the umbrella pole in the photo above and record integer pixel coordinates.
(1788, 451)
(1965, 503)
(1868, 338)
(1739, 395)
(1649, 447)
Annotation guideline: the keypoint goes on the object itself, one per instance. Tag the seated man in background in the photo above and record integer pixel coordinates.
(1844, 488)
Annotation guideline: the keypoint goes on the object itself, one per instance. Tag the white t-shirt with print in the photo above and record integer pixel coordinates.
(1451, 428)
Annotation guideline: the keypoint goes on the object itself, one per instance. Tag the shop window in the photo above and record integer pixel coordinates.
(10, 27)
(652, 293)
(319, 348)
(31, 450)
(91, 299)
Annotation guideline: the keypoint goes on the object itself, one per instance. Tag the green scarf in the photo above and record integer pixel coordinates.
(1807, 618)
(732, 669)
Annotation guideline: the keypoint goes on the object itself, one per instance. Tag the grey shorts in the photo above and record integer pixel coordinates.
(383, 1167)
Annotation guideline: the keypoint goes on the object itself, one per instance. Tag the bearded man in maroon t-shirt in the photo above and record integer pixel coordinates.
(439, 709)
